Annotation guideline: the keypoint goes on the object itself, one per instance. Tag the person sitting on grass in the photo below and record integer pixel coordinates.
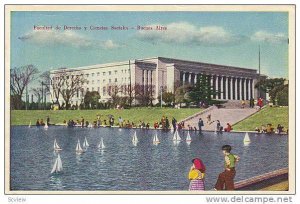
(228, 128)
(225, 178)
(279, 128)
(263, 129)
(257, 130)
(37, 122)
(270, 128)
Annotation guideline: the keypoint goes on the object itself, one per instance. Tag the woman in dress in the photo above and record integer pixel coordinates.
(197, 175)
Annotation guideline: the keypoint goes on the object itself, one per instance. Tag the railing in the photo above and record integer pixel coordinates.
(247, 183)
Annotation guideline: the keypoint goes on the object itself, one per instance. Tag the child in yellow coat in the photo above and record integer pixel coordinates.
(196, 175)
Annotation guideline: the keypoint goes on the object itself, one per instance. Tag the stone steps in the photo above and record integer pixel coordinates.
(230, 114)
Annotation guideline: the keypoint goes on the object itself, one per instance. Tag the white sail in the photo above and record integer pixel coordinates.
(216, 132)
(59, 163)
(188, 137)
(101, 144)
(29, 124)
(176, 136)
(57, 167)
(56, 146)
(78, 147)
(54, 167)
(134, 138)
(46, 126)
(246, 138)
(85, 143)
(155, 140)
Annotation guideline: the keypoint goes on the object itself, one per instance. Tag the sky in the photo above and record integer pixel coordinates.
(227, 38)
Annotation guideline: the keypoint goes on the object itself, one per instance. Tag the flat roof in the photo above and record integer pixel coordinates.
(144, 60)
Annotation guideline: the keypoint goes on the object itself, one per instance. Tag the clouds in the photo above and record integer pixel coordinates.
(66, 38)
(186, 33)
(264, 36)
(189, 34)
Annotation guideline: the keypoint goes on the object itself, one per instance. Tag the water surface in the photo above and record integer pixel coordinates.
(123, 166)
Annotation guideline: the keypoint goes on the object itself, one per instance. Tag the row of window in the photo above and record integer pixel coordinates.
(109, 73)
(109, 80)
(124, 89)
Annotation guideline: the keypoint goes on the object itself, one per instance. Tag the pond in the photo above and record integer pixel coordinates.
(123, 166)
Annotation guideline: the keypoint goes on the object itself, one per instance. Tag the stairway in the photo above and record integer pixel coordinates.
(231, 112)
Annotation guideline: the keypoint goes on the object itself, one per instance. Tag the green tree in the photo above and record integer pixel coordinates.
(91, 99)
(202, 91)
(282, 96)
(168, 98)
(266, 85)
(272, 86)
(180, 94)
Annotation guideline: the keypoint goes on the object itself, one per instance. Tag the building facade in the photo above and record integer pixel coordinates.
(160, 73)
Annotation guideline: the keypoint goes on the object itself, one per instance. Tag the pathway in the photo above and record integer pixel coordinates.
(231, 113)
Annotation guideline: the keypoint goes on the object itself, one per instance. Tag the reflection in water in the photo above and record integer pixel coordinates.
(56, 182)
(124, 165)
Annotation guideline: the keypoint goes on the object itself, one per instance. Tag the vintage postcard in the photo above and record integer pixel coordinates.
(150, 99)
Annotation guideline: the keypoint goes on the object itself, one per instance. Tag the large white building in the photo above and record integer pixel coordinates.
(233, 83)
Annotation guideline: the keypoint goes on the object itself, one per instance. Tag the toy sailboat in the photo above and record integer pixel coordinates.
(176, 137)
(246, 139)
(101, 144)
(29, 124)
(57, 167)
(79, 150)
(46, 126)
(56, 146)
(134, 139)
(188, 137)
(155, 140)
(85, 143)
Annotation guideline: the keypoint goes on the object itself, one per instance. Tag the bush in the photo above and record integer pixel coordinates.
(283, 97)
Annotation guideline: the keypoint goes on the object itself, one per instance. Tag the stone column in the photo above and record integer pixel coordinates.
(190, 77)
(217, 86)
(183, 78)
(245, 89)
(235, 88)
(195, 78)
(252, 86)
(211, 84)
(249, 89)
(145, 80)
(231, 88)
(225, 88)
(241, 80)
(222, 88)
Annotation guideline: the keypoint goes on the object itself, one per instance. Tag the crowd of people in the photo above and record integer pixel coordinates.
(40, 122)
(270, 129)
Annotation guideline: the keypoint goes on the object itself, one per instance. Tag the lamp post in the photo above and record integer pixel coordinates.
(259, 95)
(161, 89)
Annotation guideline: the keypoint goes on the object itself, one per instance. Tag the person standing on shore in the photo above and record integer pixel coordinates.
(225, 178)
(82, 122)
(200, 124)
(48, 120)
(197, 175)
(167, 123)
(174, 122)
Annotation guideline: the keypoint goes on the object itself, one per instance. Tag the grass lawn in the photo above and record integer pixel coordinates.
(273, 115)
(23, 117)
